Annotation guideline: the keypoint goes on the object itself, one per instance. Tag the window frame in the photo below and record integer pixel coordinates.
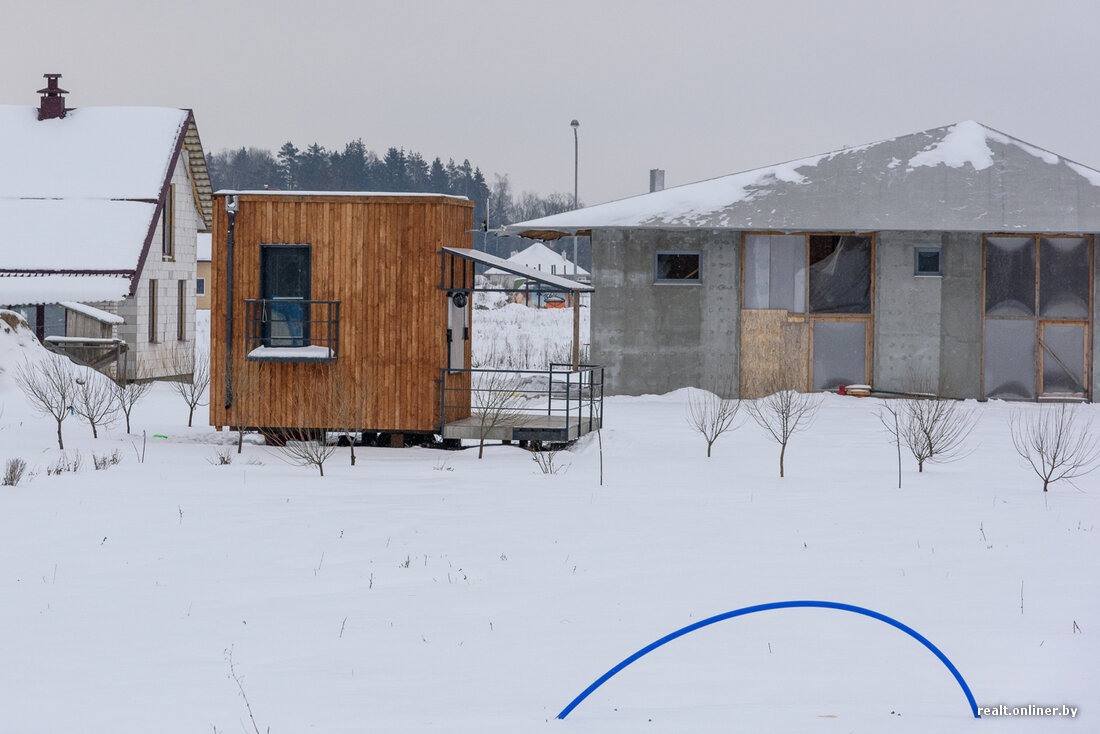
(181, 311)
(917, 252)
(200, 286)
(698, 280)
(153, 311)
(1037, 317)
(167, 226)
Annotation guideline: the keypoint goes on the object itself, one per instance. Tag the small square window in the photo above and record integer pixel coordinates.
(676, 267)
(200, 286)
(927, 261)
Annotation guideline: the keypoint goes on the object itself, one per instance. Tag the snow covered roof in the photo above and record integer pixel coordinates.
(79, 197)
(98, 314)
(962, 177)
(556, 282)
(540, 257)
(279, 192)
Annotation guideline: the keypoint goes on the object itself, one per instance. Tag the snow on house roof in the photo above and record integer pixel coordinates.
(78, 196)
(98, 314)
(22, 289)
(203, 246)
(91, 153)
(962, 177)
(540, 257)
(280, 192)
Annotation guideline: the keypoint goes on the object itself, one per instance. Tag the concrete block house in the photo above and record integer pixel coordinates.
(958, 259)
(99, 211)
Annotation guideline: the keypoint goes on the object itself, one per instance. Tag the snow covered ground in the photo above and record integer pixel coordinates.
(427, 591)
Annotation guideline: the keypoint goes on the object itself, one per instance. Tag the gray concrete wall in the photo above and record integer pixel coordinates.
(961, 316)
(907, 315)
(655, 338)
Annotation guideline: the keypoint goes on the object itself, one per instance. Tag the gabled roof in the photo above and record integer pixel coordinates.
(541, 258)
(963, 177)
(80, 197)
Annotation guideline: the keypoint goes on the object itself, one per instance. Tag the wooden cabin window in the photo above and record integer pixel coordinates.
(152, 311)
(676, 267)
(1037, 316)
(167, 225)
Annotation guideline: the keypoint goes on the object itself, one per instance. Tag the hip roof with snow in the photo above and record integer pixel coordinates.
(962, 177)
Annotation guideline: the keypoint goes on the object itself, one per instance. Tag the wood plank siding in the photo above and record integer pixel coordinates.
(379, 256)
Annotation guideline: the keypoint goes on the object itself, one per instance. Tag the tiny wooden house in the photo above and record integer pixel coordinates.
(328, 303)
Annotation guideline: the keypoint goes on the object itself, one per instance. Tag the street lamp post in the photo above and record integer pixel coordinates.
(576, 296)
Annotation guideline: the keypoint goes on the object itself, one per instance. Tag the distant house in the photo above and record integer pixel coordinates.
(202, 271)
(959, 260)
(541, 258)
(99, 208)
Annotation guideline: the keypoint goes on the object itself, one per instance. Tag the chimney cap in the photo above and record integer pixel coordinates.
(52, 85)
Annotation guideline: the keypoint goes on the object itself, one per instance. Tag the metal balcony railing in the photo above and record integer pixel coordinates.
(291, 330)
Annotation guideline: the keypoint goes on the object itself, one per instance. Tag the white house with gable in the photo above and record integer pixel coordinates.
(539, 257)
(99, 211)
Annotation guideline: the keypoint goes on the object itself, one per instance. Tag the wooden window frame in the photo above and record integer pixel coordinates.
(200, 286)
(181, 310)
(152, 311)
(168, 225)
(1038, 318)
(811, 318)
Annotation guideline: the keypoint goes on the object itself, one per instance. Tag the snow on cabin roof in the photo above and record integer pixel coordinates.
(540, 257)
(280, 192)
(962, 177)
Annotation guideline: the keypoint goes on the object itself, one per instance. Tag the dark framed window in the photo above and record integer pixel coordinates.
(167, 225)
(152, 311)
(181, 310)
(927, 261)
(677, 267)
(285, 275)
(200, 286)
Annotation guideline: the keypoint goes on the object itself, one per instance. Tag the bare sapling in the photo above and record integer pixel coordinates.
(348, 408)
(496, 403)
(306, 447)
(782, 414)
(713, 412)
(935, 430)
(185, 362)
(128, 390)
(50, 387)
(244, 390)
(95, 400)
(1057, 442)
(889, 414)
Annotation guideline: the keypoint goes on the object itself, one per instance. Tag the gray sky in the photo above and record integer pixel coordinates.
(699, 89)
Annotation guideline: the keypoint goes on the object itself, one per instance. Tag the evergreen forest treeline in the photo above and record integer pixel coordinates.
(358, 169)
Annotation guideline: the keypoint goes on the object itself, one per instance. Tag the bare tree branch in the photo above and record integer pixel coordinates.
(496, 399)
(782, 414)
(50, 388)
(712, 413)
(1056, 442)
(95, 400)
(184, 362)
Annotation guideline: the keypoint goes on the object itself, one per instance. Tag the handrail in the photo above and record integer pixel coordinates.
(303, 323)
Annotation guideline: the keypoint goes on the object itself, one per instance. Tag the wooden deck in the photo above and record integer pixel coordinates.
(530, 427)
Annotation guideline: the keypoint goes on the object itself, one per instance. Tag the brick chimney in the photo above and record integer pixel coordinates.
(53, 99)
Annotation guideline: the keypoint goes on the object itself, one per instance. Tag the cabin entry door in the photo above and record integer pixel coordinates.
(285, 288)
(458, 330)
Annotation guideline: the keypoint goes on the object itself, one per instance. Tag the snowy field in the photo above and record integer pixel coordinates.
(427, 591)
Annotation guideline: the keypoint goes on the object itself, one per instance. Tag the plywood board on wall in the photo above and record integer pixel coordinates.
(774, 352)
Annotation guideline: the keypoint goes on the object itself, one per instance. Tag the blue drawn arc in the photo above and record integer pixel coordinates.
(767, 607)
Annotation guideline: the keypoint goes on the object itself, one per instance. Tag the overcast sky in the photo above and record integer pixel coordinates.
(700, 89)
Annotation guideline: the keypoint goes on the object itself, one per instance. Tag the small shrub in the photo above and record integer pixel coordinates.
(222, 457)
(545, 454)
(106, 460)
(13, 472)
(65, 463)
